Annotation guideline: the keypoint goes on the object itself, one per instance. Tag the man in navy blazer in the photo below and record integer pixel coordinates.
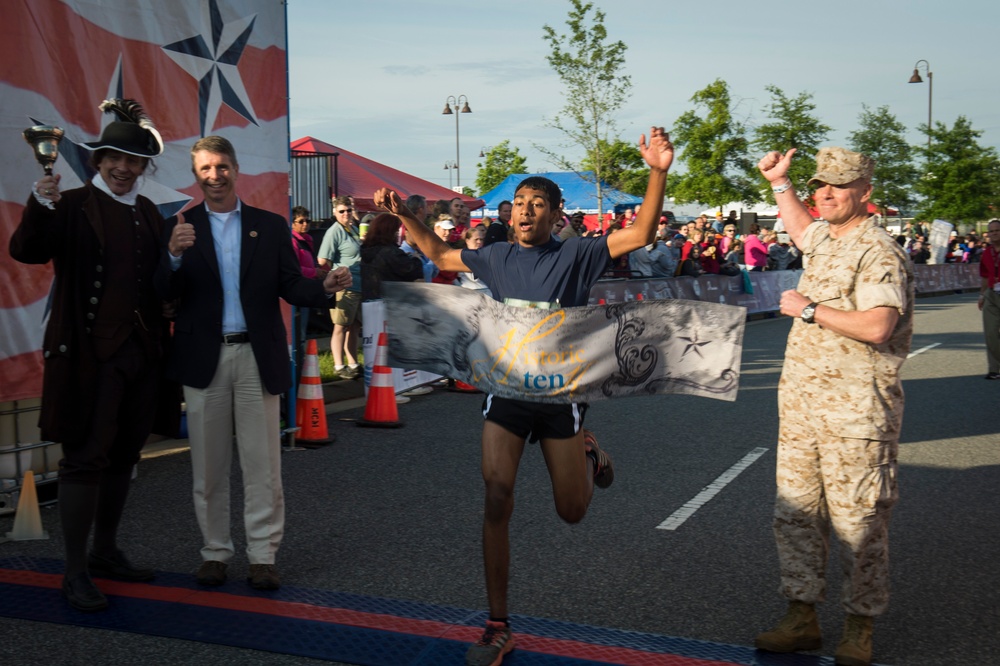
(226, 266)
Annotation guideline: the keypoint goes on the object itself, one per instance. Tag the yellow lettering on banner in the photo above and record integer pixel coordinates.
(572, 381)
(539, 380)
(538, 332)
(501, 353)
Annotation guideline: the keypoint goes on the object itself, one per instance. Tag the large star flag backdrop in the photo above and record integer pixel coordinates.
(198, 67)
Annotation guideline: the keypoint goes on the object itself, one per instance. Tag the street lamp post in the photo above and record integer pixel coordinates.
(449, 166)
(461, 105)
(930, 92)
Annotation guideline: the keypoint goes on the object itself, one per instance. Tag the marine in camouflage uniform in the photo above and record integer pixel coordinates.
(840, 400)
(840, 405)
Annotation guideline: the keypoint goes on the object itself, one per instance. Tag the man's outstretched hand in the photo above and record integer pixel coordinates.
(659, 152)
(387, 199)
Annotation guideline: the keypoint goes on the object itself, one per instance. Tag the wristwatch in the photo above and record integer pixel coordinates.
(809, 313)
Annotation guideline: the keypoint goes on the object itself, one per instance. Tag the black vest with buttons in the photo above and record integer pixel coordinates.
(121, 298)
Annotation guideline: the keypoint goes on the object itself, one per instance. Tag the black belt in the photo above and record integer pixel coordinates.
(235, 338)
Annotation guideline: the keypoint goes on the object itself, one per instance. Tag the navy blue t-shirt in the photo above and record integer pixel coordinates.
(556, 271)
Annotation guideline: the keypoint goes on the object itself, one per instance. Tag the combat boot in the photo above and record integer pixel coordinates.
(798, 630)
(855, 647)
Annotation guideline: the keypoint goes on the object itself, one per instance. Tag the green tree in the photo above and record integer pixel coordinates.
(716, 152)
(791, 125)
(623, 167)
(960, 181)
(880, 136)
(590, 68)
(500, 161)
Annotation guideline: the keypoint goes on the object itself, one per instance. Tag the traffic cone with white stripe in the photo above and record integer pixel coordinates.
(310, 407)
(380, 410)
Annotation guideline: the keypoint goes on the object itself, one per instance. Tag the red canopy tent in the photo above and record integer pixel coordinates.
(359, 177)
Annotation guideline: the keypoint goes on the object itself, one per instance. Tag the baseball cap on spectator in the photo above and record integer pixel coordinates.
(445, 223)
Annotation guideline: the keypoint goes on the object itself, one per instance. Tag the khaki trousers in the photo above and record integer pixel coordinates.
(236, 396)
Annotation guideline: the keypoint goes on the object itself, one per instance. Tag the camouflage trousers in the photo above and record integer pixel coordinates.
(826, 481)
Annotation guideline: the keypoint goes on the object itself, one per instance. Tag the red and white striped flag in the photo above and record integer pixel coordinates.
(198, 67)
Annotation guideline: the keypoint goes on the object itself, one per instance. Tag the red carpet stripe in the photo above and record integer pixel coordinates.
(377, 621)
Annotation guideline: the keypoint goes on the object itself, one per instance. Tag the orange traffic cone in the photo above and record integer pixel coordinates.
(28, 520)
(310, 409)
(380, 410)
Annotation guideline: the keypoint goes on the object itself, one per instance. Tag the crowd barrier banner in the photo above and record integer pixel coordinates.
(573, 355)
(373, 323)
(767, 286)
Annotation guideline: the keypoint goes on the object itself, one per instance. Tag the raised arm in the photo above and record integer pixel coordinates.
(659, 155)
(794, 214)
(445, 257)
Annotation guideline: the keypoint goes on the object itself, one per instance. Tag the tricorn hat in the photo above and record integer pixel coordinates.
(133, 132)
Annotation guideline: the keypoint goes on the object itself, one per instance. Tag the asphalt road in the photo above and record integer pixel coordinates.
(396, 514)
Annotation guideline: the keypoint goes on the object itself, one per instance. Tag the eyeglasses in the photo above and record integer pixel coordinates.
(345, 210)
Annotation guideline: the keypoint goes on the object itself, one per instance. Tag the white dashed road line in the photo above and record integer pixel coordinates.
(678, 517)
(923, 349)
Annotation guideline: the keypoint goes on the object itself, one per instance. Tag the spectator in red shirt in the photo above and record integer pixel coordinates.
(989, 297)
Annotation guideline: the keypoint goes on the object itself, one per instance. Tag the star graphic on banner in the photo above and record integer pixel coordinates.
(213, 58)
(693, 344)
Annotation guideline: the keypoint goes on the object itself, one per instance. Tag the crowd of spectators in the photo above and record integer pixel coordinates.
(967, 249)
(717, 248)
(700, 247)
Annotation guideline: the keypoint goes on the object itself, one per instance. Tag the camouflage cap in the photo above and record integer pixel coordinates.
(839, 166)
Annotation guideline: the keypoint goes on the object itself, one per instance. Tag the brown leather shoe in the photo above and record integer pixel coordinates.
(211, 573)
(263, 577)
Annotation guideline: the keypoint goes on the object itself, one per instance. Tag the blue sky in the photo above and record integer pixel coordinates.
(372, 77)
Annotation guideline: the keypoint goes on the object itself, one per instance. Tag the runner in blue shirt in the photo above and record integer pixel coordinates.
(537, 271)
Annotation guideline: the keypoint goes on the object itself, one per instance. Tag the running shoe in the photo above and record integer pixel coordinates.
(604, 468)
(491, 648)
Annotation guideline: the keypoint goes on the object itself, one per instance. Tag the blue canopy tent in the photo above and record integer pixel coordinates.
(578, 189)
